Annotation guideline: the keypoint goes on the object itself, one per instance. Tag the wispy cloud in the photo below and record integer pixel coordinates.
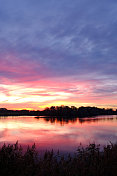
(66, 48)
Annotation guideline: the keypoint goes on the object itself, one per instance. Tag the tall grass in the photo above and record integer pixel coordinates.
(86, 161)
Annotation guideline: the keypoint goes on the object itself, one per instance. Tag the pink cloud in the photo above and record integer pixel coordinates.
(28, 84)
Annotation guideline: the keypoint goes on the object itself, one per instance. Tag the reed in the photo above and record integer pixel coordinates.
(92, 160)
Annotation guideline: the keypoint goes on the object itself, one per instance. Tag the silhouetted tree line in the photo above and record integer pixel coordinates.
(5, 112)
(77, 112)
(61, 111)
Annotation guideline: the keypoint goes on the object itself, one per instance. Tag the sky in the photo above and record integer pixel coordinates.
(58, 53)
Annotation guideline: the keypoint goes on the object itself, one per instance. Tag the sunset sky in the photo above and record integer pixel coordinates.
(58, 52)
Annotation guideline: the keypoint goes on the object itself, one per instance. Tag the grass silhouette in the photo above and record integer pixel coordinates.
(86, 161)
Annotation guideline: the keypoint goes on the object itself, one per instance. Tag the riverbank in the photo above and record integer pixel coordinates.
(61, 111)
(88, 161)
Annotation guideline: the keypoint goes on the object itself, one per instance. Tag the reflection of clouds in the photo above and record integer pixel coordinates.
(3, 133)
(107, 136)
(45, 134)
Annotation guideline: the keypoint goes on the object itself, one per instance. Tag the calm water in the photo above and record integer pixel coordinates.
(54, 134)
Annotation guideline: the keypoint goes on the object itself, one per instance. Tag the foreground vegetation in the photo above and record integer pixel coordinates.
(88, 161)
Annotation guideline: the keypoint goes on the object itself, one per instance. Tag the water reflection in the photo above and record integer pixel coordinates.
(58, 133)
(64, 121)
(98, 118)
(60, 120)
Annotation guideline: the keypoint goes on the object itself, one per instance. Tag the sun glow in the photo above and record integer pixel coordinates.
(39, 95)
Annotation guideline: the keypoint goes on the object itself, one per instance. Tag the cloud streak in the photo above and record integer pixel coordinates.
(66, 48)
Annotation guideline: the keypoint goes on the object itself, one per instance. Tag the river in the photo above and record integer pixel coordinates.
(65, 135)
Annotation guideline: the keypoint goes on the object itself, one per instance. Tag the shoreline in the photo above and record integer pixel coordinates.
(60, 111)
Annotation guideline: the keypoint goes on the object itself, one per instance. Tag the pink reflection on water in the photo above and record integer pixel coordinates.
(65, 135)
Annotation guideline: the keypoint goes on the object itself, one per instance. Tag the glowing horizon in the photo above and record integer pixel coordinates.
(21, 96)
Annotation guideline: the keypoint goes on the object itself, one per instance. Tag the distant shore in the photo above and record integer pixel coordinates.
(60, 111)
